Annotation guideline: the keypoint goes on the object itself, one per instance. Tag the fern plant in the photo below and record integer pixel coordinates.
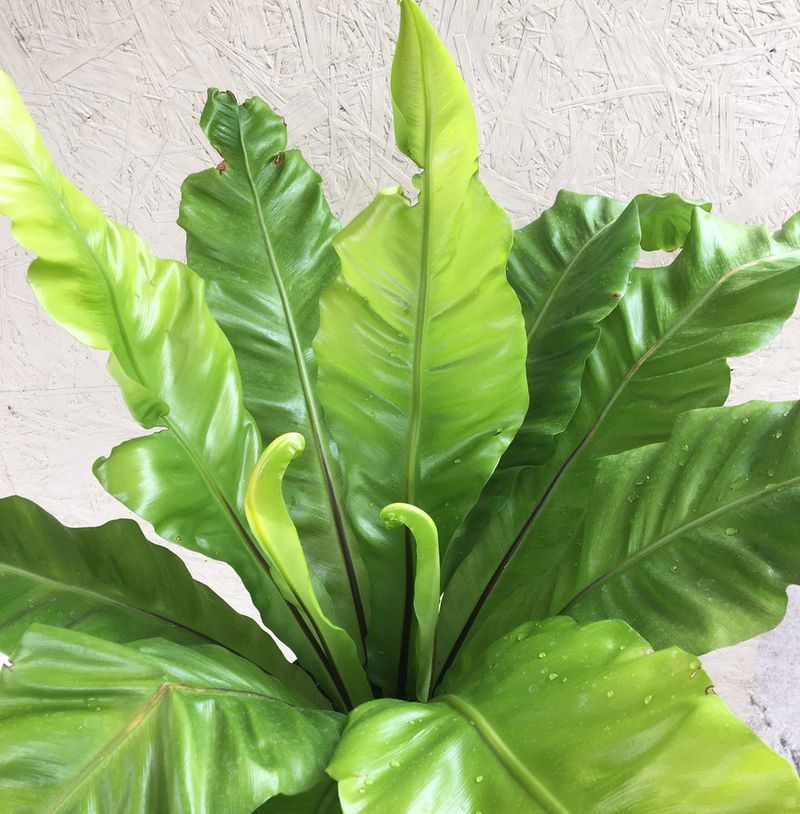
(480, 482)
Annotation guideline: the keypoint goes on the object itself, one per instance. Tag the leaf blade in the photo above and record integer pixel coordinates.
(259, 231)
(69, 577)
(98, 726)
(409, 387)
(714, 547)
(632, 730)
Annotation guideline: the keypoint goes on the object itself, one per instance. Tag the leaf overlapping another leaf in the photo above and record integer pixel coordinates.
(694, 541)
(174, 366)
(421, 344)
(260, 232)
(662, 351)
(93, 726)
(112, 583)
(557, 718)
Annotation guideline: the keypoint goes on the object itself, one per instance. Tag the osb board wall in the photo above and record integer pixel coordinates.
(617, 96)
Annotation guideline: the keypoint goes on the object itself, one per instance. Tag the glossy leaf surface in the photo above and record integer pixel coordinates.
(421, 345)
(174, 366)
(694, 542)
(569, 268)
(93, 726)
(112, 583)
(260, 232)
(427, 591)
(562, 719)
(277, 535)
(662, 351)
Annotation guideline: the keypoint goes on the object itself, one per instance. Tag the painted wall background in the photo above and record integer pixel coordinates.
(612, 96)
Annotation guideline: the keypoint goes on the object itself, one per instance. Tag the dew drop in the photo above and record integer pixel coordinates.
(479, 778)
(745, 421)
(368, 781)
(648, 699)
(553, 676)
(779, 434)
(394, 763)
(542, 654)
(610, 693)
(498, 430)
(457, 461)
(730, 531)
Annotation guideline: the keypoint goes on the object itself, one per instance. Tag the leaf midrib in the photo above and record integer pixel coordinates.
(660, 542)
(140, 716)
(565, 274)
(520, 773)
(415, 408)
(101, 598)
(314, 421)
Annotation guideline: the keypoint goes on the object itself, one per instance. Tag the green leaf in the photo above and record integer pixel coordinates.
(172, 362)
(662, 351)
(569, 268)
(277, 535)
(666, 220)
(112, 583)
(259, 233)
(557, 718)
(421, 345)
(93, 726)
(693, 542)
(427, 590)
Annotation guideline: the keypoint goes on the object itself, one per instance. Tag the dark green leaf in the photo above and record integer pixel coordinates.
(662, 351)
(569, 268)
(693, 541)
(259, 232)
(112, 583)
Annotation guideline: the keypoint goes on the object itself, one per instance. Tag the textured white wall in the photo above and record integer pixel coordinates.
(615, 96)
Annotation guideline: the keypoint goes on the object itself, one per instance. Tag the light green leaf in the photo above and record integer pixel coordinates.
(421, 345)
(569, 268)
(259, 233)
(172, 362)
(91, 726)
(427, 590)
(666, 220)
(562, 719)
(662, 351)
(693, 541)
(112, 583)
(277, 535)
